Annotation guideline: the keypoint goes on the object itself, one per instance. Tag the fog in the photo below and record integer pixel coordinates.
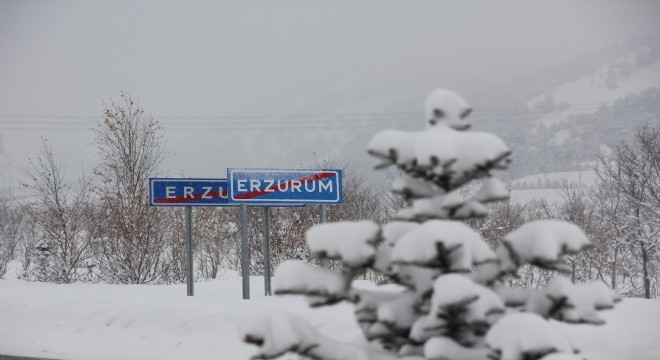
(272, 83)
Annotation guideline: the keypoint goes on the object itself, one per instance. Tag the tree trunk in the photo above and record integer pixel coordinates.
(573, 271)
(614, 263)
(645, 267)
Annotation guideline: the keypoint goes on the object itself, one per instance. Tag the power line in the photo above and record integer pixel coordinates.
(269, 122)
(509, 110)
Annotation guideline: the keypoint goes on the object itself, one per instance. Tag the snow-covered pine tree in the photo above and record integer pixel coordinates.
(452, 302)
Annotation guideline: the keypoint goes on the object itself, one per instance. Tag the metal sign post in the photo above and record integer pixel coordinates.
(245, 253)
(189, 251)
(324, 217)
(266, 229)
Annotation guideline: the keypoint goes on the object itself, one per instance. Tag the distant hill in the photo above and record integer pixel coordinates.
(565, 126)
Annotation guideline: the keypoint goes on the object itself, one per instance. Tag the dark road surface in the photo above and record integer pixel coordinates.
(8, 357)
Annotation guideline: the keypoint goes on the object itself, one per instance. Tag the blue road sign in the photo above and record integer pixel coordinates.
(187, 192)
(276, 186)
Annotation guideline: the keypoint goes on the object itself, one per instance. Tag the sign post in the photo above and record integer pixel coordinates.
(245, 253)
(266, 229)
(189, 252)
(324, 217)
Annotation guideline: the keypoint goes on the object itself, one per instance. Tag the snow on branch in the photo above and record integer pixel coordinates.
(564, 301)
(300, 278)
(452, 205)
(411, 187)
(354, 243)
(460, 309)
(446, 108)
(447, 245)
(398, 314)
(418, 279)
(492, 189)
(452, 158)
(543, 243)
(445, 157)
(393, 147)
(279, 333)
(393, 231)
(526, 336)
(367, 304)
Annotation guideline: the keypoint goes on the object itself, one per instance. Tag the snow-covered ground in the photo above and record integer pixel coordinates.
(100, 321)
(545, 186)
(584, 177)
(551, 196)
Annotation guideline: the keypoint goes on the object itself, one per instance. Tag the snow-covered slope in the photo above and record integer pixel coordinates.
(566, 126)
(604, 86)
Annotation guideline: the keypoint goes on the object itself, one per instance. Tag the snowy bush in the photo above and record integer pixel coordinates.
(452, 301)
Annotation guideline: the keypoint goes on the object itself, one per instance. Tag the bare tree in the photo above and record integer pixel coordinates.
(631, 179)
(58, 211)
(130, 149)
(213, 232)
(577, 208)
(11, 232)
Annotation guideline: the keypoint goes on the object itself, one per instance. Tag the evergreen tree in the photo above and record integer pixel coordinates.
(452, 301)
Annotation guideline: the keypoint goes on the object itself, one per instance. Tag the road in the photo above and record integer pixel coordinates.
(9, 357)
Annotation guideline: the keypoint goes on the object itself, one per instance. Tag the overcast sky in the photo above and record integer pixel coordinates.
(240, 83)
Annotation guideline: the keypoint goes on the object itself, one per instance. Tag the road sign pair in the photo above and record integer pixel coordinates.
(262, 187)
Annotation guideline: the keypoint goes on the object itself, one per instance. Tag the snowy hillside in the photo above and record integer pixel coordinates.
(97, 321)
(567, 126)
(589, 92)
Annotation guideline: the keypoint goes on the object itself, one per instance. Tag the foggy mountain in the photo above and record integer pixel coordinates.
(557, 119)
(572, 123)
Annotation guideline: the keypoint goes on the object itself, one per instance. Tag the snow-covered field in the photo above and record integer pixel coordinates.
(99, 321)
(552, 195)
